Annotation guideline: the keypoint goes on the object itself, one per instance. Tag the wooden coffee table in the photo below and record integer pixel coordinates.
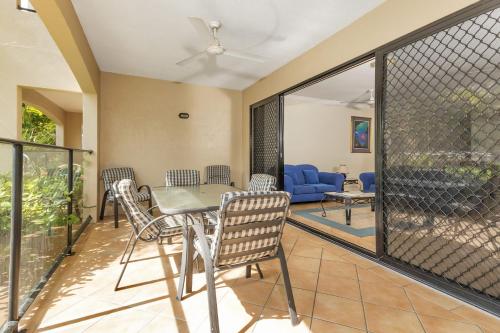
(349, 199)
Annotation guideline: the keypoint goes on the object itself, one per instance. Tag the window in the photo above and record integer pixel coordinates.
(25, 5)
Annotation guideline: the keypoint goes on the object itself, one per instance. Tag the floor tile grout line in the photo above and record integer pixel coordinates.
(414, 311)
(316, 289)
(447, 319)
(294, 241)
(274, 286)
(361, 298)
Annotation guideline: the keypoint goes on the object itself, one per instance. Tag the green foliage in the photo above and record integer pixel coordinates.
(37, 127)
(45, 199)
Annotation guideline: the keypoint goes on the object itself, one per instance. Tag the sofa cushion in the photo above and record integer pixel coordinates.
(325, 188)
(311, 176)
(298, 178)
(303, 189)
(291, 170)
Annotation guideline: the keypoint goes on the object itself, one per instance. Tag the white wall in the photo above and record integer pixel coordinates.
(319, 134)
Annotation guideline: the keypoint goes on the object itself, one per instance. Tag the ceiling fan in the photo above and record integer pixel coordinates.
(215, 46)
(367, 97)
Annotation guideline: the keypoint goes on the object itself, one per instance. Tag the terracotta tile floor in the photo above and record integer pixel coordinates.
(335, 291)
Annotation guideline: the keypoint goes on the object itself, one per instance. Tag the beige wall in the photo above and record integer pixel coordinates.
(390, 20)
(30, 58)
(319, 133)
(60, 19)
(140, 127)
(73, 130)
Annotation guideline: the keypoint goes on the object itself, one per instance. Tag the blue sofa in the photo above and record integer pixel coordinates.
(368, 180)
(305, 183)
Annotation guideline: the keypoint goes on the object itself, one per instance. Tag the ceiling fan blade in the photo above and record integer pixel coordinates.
(352, 106)
(201, 27)
(242, 55)
(190, 59)
(361, 98)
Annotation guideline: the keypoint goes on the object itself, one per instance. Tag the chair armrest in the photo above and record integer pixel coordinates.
(151, 209)
(153, 221)
(288, 184)
(148, 189)
(332, 178)
(105, 195)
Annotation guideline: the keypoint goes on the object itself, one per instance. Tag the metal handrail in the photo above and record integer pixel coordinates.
(43, 145)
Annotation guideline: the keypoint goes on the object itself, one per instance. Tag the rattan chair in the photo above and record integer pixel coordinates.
(249, 231)
(111, 175)
(145, 227)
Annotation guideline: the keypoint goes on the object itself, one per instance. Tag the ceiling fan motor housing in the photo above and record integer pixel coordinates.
(214, 24)
(215, 49)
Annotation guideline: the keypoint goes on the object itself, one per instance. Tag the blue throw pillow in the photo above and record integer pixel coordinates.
(311, 176)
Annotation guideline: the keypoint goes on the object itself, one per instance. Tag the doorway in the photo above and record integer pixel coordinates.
(436, 126)
(329, 154)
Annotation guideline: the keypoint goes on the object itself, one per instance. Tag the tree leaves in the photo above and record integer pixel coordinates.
(37, 127)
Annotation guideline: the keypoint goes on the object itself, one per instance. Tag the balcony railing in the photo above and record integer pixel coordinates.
(42, 214)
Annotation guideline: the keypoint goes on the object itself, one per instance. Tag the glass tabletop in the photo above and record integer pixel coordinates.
(173, 200)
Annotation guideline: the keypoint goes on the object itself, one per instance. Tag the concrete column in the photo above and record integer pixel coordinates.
(90, 140)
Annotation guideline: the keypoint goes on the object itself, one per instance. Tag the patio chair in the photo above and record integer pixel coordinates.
(218, 174)
(187, 177)
(249, 231)
(109, 176)
(145, 227)
(184, 177)
(262, 182)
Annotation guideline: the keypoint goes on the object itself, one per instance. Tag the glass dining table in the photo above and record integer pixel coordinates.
(173, 200)
(189, 201)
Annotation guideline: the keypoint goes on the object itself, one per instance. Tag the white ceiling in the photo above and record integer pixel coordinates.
(66, 100)
(351, 85)
(147, 38)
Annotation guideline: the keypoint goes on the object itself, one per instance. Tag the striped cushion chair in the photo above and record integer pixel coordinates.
(187, 178)
(218, 174)
(111, 175)
(182, 178)
(249, 230)
(145, 227)
(262, 182)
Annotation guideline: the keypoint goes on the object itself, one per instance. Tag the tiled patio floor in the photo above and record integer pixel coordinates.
(335, 291)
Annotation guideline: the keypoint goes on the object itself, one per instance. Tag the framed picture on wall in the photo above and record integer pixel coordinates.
(360, 134)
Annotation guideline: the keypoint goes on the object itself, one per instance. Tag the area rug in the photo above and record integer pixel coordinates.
(362, 219)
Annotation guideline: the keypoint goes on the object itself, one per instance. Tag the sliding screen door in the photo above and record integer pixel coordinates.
(266, 138)
(440, 153)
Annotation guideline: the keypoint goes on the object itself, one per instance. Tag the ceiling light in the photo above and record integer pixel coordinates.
(25, 5)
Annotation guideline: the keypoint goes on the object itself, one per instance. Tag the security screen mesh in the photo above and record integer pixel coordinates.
(440, 174)
(265, 138)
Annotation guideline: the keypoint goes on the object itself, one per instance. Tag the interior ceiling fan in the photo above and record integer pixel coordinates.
(367, 97)
(215, 46)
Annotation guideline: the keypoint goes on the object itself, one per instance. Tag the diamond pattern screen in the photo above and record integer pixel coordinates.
(441, 148)
(265, 138)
